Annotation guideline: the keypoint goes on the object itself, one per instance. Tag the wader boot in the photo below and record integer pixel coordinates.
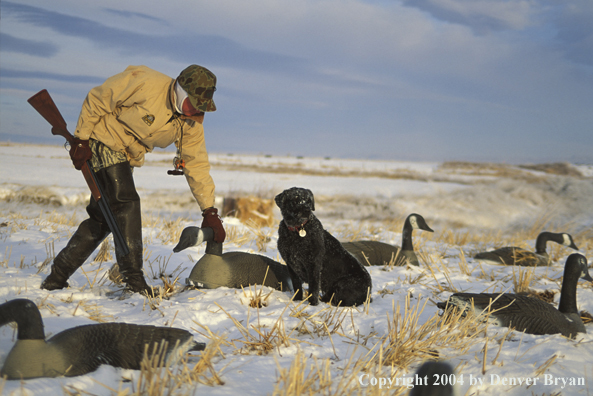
(83, 243)
(119, 189)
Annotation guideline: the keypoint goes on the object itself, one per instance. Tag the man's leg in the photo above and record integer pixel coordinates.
(86, 239)
(125, 205)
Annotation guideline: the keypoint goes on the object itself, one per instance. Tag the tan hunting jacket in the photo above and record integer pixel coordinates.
(133, 112)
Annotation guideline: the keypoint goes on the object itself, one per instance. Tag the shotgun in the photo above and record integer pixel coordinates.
(44, 104)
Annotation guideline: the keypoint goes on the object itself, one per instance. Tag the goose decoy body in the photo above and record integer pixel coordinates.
(81, 350)
(432, 387)
(511, 255)
(380, 253)
(232, 269)
(530, 314)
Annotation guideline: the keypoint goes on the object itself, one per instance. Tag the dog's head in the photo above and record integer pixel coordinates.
(296, 205)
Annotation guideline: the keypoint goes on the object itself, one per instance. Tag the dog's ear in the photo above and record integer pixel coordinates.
(279, 199)
(311, 199)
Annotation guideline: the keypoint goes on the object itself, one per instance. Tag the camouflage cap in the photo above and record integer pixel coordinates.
(200, 84)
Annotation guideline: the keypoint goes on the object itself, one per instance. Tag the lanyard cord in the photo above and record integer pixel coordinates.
(178, 161)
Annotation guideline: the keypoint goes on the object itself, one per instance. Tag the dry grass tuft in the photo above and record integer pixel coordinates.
(51, 254)
(462, 238)
(95, 312)
(59, 219)
(203, 371)
(256, 297)
(546, 295)
(95, 274)
(161, 271)
(522, 278)
(303, 379)
(546, 365)
(441, 286)
(104, 253)
(170, 286)
(114, 275)
(252, 210)
(312, 376)
(262, 237)
(170, 231)
(586, 317)
(157, 379)
(325, 322)
(6, 258)
(407, 342)
(258, 338)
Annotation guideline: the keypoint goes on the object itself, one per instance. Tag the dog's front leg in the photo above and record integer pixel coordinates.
(297, 284)
(315, 282)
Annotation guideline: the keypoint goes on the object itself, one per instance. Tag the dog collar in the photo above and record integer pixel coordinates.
(299, 228)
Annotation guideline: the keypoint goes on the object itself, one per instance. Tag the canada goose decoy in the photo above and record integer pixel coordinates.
(511, 255)
(530, 314)
(380, 253)
(436, 385)
(83, 349)
(233, 269)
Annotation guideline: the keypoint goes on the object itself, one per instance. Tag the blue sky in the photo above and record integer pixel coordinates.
(429, 80)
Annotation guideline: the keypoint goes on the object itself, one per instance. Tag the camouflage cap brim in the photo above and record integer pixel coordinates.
(202, 105)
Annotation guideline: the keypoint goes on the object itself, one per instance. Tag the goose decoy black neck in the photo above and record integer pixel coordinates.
(558, 237)
(576, 267)
(27, 317)
(413, 222)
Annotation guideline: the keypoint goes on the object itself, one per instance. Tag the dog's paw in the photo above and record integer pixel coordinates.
(326, 297)
(313, 299)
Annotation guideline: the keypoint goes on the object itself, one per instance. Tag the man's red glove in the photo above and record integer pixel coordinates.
(80, 152)
(212, 220)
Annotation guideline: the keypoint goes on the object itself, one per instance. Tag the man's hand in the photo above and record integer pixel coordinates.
(80, 152)
(212, 220)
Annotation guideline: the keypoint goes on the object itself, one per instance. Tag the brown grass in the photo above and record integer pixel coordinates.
(409, 342)
(302, 378)
(256, 297)
(252, 210)
(104, 253)
(262, 236)
(155, 379)
(257, 338)
(325, 322)
(523, 277)
(313, 376)
(586, 317)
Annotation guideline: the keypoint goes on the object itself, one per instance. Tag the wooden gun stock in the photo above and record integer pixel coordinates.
(44, 104)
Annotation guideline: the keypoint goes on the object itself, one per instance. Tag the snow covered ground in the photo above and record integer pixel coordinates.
(471, 208)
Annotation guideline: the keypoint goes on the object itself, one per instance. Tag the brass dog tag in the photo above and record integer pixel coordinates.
(302, 232)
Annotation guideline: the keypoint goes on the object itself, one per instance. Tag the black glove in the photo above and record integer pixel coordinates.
(80, 152)
(212, 220)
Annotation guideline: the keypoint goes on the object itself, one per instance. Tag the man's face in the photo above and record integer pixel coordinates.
(188, 109)
(190, 112)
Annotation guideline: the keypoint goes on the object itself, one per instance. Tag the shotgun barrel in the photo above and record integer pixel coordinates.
(44, 104)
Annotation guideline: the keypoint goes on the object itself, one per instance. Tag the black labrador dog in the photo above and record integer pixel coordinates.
(314, 256)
